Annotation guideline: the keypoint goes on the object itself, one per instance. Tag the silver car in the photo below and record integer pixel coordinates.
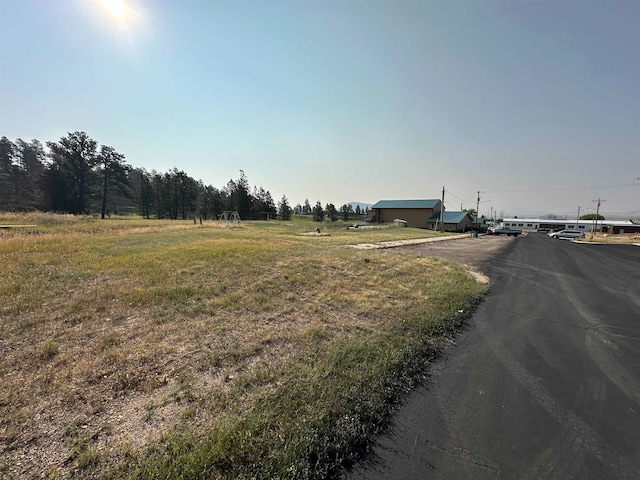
(567, 234)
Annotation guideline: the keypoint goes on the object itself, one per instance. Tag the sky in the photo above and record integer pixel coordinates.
(534, 104)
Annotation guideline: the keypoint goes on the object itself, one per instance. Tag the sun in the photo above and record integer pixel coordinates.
(117, 8)
(121, 12)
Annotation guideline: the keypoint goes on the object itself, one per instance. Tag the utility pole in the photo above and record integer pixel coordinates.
(442, 212)
(578, 218)
(595, 220)
(477, 208)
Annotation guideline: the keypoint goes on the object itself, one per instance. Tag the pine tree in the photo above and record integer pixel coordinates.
(75, 155)
(332, 212)
(306, 208)
(344, 209)
(115, 175)
(318, 212)
(284, 209)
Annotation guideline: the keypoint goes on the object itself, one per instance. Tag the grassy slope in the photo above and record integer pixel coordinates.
(150, 349)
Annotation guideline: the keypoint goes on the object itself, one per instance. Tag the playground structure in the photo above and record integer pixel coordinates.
(230, 216)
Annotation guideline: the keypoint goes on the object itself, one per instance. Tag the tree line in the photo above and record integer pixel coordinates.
(77, 175)
(318, 213)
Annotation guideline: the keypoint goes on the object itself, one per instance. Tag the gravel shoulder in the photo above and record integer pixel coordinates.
(475, 253)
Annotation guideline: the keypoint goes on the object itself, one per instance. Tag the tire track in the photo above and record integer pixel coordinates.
(573, 427)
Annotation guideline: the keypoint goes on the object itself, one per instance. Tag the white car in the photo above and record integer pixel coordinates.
(567, 234)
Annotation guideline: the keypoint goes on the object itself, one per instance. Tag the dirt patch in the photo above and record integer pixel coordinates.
(476, 253)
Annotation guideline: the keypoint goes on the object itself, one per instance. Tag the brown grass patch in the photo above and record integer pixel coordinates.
(114, 336)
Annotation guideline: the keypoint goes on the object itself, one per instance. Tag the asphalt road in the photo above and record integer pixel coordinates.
(544, 383)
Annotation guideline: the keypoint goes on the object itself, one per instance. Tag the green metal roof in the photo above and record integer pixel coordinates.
(431, 203)
(449, 217)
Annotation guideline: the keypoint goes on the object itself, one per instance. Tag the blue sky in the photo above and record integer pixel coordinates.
(534, 103)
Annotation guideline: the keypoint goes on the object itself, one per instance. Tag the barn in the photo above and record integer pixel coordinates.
(414, 212)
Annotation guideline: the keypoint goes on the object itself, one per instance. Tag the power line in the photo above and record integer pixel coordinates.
(455, 196)
(554, 189)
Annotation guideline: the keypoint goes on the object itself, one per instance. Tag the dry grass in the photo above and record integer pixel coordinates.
(118, 335)
(621, 238)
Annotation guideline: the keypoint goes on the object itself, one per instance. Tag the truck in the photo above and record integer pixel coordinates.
(505, 231)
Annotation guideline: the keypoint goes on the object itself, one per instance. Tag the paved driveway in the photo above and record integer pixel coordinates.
(543, 384)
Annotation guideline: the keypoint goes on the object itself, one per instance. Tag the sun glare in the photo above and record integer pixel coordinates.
(122, 18)
(117, 8)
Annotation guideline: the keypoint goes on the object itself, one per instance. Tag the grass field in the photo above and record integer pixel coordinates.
(622, 238)
(162, 349)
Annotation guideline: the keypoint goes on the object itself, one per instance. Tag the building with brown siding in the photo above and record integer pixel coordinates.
(414, 212)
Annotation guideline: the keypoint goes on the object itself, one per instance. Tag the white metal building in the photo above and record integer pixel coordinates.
(553, 223)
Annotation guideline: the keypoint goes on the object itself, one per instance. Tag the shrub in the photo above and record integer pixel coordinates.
(50, 349)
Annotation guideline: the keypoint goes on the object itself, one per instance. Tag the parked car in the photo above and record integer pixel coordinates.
(504, 231)
(567, 234)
